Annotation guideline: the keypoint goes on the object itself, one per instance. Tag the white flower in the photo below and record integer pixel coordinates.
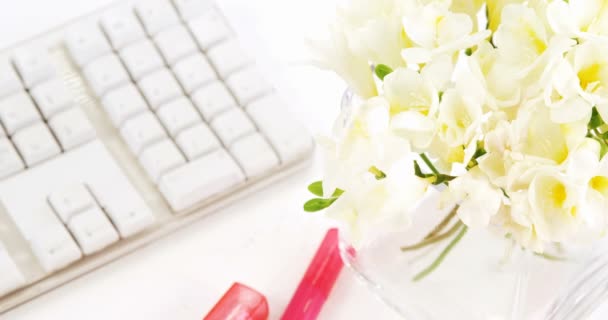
(538, 136)
(374, 29)
(460, 112)
(479, 200)
(371, 208)
(494, 11)
(413, 103)
(579, 18)
(592, 175)
(498, 78)
(521, 35)
(363, 140)
(554, 200)
(436, 31)
(335, 54)
(563, 96)
(590, 64)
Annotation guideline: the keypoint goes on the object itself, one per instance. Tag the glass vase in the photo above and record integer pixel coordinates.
(482, 276)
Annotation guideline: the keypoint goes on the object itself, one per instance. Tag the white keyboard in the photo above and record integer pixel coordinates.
(122, 126)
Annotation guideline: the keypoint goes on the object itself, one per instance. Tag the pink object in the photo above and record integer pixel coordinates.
(318, 281)
(240, 303)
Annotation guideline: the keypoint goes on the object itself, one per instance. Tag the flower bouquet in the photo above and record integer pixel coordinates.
(468, 165)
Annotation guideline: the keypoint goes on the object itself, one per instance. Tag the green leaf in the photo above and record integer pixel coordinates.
(596, 120)
(318, 204)
(603, 149)
(382, 71)
(316, 188)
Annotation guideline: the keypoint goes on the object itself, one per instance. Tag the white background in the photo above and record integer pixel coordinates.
(265, 241)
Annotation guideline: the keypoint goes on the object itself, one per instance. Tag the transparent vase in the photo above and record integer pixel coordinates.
(484, 276)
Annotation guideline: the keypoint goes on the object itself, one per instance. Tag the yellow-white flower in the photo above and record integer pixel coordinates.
(537, 136)
(590, 64)
(413, 104)
(371, 208)
(521, 32)
(334, 53)
(363, 139)
(497, 76)
(579, 18)
(555, 203)
(436, 31)
(479, 200)
(460, 113)
(494, 9)
(563, 95)
(374, 29)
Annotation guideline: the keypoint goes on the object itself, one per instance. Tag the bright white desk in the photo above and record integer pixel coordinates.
(265, 241)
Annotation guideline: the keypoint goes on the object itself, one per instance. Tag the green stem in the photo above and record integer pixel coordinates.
(598, 135)
(443, 223)
(442, 256)
(597, 132)
(434, 239)
(429, 164)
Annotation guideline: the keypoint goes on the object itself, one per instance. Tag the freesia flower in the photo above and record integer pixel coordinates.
(511, 117)
(436, 31)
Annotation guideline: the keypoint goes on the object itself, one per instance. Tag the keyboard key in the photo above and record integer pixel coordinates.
(10, 162)
(160, 158)
(287, 137)
(92, 230)
(232, 125)
(247, 85)
(178, 115)
(197, 141)
(228, 57)
(254, 154)
(105, 74)
(11, 278)
(51, 97)
(123, 103)
(122, 27)
(85, 43)
(124, 206)
(160, 87)
(156, 15)
(212, 99)
(17, 111)
(175, 43)
(72, 128)
(193, 72)
(34, 65)
(200, 179)
(36, 144)
(142, 131)
(50, 241)
(9, 81)
(210, 28)
(70, 201)
(189, 9)
(141, 58)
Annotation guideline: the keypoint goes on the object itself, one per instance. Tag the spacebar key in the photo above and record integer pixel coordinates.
(200, 179)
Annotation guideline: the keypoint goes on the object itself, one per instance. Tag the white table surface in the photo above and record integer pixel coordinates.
(265, 241)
